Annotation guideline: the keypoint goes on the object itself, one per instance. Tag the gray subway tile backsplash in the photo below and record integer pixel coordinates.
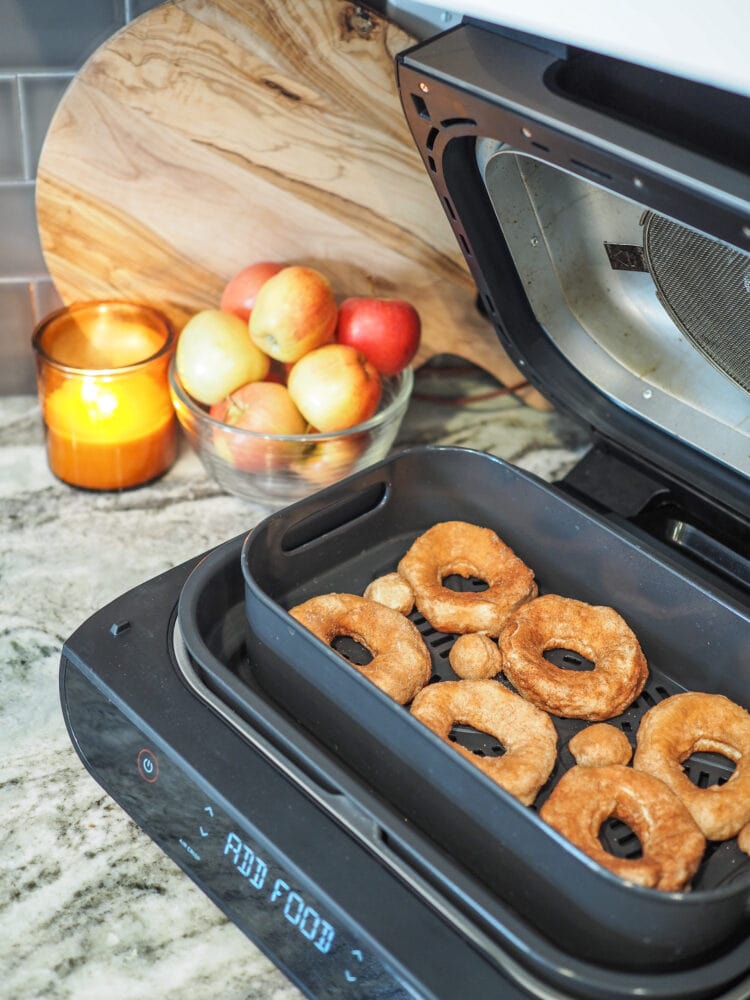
(42, 44)
(45, 298)
(48, 34)
(135, 8)
(11, 153)
(40, 96)
(17, 367)
(20, 249)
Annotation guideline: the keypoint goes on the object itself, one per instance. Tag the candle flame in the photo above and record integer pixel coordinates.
(102, 402)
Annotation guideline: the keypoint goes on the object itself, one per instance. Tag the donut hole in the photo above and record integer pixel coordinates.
(460, 584)
(706, 769)
(475, 741)
(619, 839)
(568, 659)
(351, 650)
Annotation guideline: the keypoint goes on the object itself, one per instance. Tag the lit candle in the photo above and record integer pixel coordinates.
(102, 374)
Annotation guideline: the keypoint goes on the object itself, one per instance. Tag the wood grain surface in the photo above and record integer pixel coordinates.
(208, 135)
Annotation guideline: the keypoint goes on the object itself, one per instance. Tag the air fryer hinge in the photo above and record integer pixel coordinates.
(612, 485)
(695, 528)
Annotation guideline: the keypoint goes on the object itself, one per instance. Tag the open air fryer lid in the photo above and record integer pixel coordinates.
(604, 211)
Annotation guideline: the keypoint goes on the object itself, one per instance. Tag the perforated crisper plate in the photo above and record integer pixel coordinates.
(693, 638)
(703, 769)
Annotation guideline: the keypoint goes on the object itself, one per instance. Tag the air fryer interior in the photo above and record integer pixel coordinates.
(580, 253)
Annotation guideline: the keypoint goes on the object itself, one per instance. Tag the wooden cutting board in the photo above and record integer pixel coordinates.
(209, 134)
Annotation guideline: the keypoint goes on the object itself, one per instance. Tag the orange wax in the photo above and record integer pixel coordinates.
(102, 371)
(108, 435)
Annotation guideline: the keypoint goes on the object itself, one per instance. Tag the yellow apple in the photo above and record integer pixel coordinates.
(294, 312)
(335, 387)
(215, 356)
(263, 408)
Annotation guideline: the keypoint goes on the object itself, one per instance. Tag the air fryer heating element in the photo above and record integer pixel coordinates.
(705, 287)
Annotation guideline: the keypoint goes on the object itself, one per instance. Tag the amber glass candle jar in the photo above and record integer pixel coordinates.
(102, 378)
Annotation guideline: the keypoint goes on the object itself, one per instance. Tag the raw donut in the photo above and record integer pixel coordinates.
(527, 734)
(671, 842)
(401, 663)
(456, 547)
(690, 723)
(393, 591)
(599, 745)
(475, 656)
(597, 633)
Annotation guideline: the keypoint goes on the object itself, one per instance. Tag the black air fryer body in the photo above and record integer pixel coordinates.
(604, 211)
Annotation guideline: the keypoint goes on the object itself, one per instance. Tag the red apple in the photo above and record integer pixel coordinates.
(263, 408)
(215, 356)
(239, 293)
(294, 312)
(387, 331)
(335, 387)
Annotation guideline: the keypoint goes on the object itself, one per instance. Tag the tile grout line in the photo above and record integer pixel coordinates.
(34, 298)
(36, 74)
(25, 152)
(24, 279)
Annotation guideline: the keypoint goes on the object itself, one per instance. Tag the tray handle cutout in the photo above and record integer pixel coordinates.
(342, 511)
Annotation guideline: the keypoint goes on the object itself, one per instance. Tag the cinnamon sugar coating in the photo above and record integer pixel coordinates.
(401, 663)
(527, 734)
(671, 842)
(475, 656)
(597, 633)
(695, 722)
(464, 549)
(599, 745)
(393, 591)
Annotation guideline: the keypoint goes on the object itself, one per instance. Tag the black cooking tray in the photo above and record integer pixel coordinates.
(694, 637)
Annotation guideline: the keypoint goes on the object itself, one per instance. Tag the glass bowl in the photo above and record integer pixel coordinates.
(278, 469)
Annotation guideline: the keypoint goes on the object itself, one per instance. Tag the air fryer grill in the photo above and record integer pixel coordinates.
(343, 538)
(238, 673)
(238, 712)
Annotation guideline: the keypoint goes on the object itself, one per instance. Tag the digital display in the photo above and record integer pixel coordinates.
(225, 856)
(261, 893)
(296, 910)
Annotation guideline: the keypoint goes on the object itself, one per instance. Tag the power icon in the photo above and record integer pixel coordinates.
(148, 765)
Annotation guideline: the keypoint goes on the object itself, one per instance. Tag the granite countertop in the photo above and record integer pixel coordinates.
(91, 908)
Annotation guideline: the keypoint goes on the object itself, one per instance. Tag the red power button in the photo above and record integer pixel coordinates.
(148, 765)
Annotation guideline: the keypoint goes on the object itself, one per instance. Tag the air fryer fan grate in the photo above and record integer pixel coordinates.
(705, 287)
